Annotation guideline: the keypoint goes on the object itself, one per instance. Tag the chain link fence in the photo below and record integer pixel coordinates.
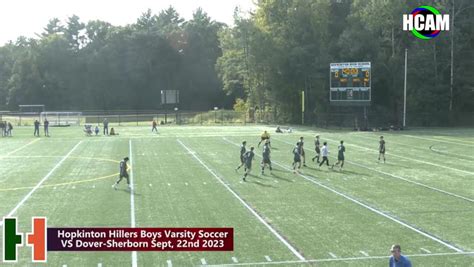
(353, 120)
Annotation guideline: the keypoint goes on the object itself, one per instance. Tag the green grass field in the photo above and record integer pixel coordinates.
(422, 198)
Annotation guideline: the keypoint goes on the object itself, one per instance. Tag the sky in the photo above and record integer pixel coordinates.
(27, 17)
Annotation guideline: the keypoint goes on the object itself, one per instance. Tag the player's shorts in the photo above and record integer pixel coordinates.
(242, 159)
(302, 152)
(124, 175)
(340, 157)
(297, 159)
(263, 138)
(318, 150)
(248, 166)
(382, 151)
(266, 160)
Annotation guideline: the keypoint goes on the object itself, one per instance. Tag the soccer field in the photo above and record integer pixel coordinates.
(422, 198)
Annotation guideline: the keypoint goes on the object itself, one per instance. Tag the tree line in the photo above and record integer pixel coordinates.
(263, 61)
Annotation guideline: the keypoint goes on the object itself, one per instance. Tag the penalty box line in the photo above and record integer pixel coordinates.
(340, 259)
(399, 177)
(426, 234)
(25, 198)
(272, 230)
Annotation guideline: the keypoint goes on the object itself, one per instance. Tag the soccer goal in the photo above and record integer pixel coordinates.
(61, 118)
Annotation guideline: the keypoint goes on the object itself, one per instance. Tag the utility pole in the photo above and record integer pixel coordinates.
(405, 91)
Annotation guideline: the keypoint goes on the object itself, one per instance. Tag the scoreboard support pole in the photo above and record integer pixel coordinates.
(302, 107)
(405, 91)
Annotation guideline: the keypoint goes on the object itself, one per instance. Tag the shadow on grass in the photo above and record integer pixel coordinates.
(261, 184)
(280, 178)
(128, 191)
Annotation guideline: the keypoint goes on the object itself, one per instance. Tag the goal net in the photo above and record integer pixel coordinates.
(61, 118)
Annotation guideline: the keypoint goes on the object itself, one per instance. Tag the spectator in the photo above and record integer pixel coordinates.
(397, 259)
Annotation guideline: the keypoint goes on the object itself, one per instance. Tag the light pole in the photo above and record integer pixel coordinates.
(405, 91)
(215, 114)
(176, 110)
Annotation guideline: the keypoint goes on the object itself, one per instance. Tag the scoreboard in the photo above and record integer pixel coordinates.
(350, 83)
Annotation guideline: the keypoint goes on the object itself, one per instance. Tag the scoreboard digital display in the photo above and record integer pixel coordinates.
(350, 83)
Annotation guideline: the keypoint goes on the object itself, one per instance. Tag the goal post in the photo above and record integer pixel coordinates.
(61, 118)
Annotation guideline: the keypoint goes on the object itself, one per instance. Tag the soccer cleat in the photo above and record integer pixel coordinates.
(243, 179)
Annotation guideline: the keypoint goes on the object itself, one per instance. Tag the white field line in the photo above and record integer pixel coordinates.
(99, 264)
(268, 258)
(254, 213)
(369, 207)
(333, 255)
(459, 141)
(425, 250)
(402, 144)
(40, 182)
(169, 263)
(11, 152)
(234, 259)
(340, 259)
(364, 253)
(436, 140)
(449, 153)
(18, 149)
(410, 159)
(203, 261)
(402, 178)
(132, 202)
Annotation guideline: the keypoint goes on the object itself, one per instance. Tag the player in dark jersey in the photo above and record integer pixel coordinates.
(266, 156)
(317, 148)
(123, 173)
(248, 156)
(382, 149)
(37, 128)
(296, 157)
(303, 155)
(153, 128)
(340, 156)
(242, 155)
(46, 127)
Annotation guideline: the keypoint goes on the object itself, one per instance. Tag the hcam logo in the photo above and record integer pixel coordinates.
(425, 22)
(13, 239)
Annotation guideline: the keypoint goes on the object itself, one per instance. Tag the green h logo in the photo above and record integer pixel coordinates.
(13, 239)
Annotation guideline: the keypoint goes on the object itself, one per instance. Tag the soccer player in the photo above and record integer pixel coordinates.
(382, 149)
(296, 157)
(242, 155)
(154, 126)
(397, 259)
(248, 162)
(9, 128)
(302, 151)
(123, 173)
(266, 156)
(37, 128)
(265, 136)
(325, 153)
(106, 126)
(46, 127)
(317, 147)
(340, 156)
